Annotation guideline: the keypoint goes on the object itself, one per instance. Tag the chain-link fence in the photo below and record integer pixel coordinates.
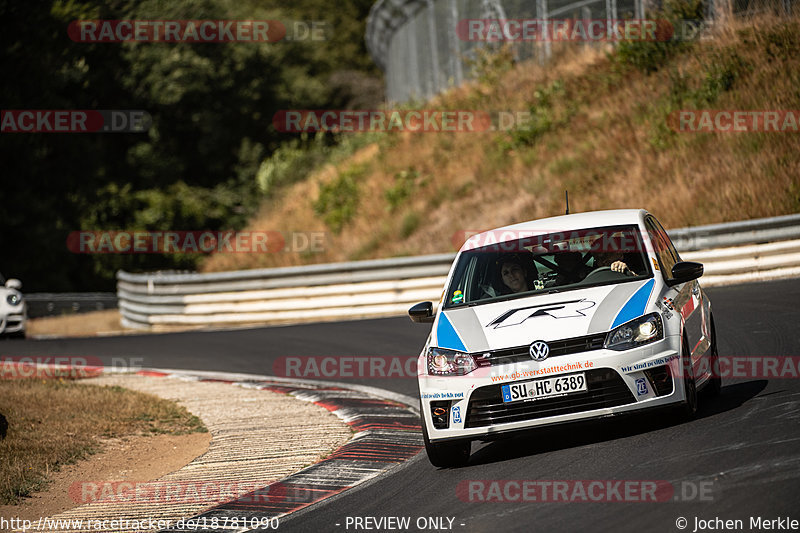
(426, 46)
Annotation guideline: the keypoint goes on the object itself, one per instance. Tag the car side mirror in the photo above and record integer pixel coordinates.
(14, 284)
(685, 271)
(421, 312)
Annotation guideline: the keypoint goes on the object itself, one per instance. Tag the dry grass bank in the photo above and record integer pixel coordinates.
(105, 322)
(55, 422)
(600, 131)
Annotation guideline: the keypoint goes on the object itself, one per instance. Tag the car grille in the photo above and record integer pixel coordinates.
(605, 389)
(520, 354)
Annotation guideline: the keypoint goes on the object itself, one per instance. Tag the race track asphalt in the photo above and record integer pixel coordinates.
(738, 459)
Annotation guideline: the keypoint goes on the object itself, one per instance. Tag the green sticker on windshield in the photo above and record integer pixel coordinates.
(458, 297)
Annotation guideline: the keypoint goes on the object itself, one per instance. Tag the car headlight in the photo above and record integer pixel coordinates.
(442, 362)
(637, 332)
(14, 299)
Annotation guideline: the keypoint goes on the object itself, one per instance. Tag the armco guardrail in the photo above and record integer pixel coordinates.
(387, 287)
(41, 304)
(318, 292)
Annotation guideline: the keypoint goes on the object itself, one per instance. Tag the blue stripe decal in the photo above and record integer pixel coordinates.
(636, 305)
(446, 335)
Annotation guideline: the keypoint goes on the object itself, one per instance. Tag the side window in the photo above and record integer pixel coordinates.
(670, 246)
(662, 247)
(458, 283)
(467, 285)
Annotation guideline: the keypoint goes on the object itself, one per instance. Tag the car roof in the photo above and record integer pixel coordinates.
(577, 221)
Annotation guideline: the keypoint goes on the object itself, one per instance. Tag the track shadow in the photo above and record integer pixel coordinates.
(733, 395)
(549, 439)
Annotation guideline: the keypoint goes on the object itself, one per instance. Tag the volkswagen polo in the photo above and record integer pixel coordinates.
(558, 320)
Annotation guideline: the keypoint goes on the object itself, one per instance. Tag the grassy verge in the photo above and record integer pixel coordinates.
(77, 325)
(57, 422)
(600, 129)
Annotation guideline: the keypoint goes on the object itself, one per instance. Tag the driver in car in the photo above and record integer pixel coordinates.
(572, 269)
(613, 260)
(513, 273)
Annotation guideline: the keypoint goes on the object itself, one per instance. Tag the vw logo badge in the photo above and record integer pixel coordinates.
(539, 351)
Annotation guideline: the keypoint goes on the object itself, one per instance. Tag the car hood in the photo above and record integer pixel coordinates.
(548, 317)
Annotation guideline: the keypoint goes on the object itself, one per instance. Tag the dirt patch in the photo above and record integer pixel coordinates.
(135, 458)
(80, 325)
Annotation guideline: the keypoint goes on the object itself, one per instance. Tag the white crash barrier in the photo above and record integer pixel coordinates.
(733, 253)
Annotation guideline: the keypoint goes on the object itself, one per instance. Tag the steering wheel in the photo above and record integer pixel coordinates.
(488, 291)
(603, 274)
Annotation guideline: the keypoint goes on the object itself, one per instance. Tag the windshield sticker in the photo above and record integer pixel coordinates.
(570, 309)
(458, 297)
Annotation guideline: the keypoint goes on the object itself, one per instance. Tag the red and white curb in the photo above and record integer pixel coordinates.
(387, 433)
(386, 426)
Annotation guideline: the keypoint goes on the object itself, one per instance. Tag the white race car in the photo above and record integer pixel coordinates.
(13, 309)
(562, 319)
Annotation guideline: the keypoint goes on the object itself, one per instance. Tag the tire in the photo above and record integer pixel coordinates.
(448, 454)
(714, 385)
(687, 409)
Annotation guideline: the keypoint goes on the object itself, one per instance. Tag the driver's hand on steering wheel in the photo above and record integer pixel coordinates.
(621, 267)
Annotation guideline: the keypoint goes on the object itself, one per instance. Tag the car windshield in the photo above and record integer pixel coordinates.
(528, 264)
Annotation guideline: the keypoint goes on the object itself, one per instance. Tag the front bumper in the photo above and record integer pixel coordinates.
(618, 382)
(12, 323)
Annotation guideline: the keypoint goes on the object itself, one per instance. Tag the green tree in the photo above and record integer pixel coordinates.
(196, 167)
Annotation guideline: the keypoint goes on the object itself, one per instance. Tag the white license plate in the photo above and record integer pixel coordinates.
(543, 388)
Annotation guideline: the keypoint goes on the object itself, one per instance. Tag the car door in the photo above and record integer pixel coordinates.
(685, 298)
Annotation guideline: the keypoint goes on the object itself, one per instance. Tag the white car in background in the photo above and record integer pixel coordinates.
(13, 309)
(558, 320)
